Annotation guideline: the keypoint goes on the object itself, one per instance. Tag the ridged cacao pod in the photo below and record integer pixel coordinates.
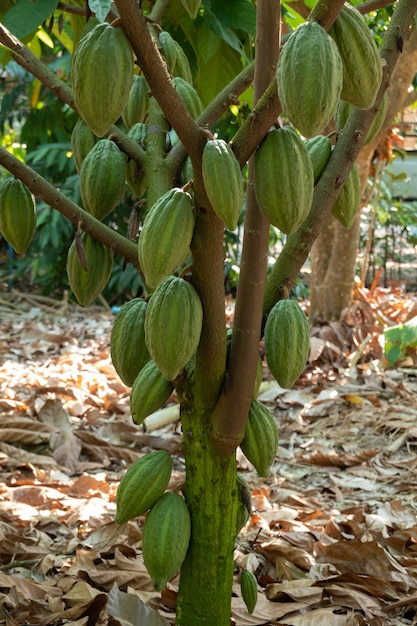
(284, 179)
(17, 214)
(101, 76)
(223, 181)
(309, 98)
(128, 350)
(260, 442)
(82, 140)
(362, 68)
(319, 149)
(191, 6)
(165, 539)
(287, 342)
(244, 507)
(102, 178)
(175, 57)
(137, 103)
(249, 589)
(88, 284)
(149, 392)
(135, 176)
(143, 485)
(343, 112)
(347, 204)
(189, 95)
(164, 241)
(173, 325)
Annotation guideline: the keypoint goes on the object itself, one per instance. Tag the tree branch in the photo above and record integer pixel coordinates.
(298, 245)
(54, 198)
(230, 414)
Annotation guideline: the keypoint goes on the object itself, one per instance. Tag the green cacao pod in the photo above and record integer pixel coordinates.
(309, 97)
(149, 392)
(175, 57)
(143, 484)
(173, 325)
(244, 507)
(249, 589)
(189, 95)
(82, 140)
(17, 214)
(137, 103)
(101, 76)
(128, 350)
(165, 539)
(102, 178)
(223, 181)
(164, 241)
(343, 112)
(135, 176)
(287, 342)
(260, 442)
(319, 149)
(347, 204)
(192, 7)
(284, 179)
(87, 284)
(362, 68)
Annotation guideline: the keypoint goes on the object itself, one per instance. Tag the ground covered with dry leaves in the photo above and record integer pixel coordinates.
(333, 534)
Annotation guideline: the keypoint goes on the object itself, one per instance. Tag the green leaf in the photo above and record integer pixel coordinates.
(217, 72)
(239, 14)
(27, 15)
(224, 32)
(100, 7)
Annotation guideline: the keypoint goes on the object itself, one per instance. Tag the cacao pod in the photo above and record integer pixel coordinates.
(244, 506)
(260, 442)
(192, 7)
(135, 176)
(149, 392)
(164, 241)
(165, 539)
(343, 112)
(308, 98)
(88, 284)
(102, 178)
(362, 68)
(319, 149)
(347, 204)
(175, 57)
(223, 181)
(82, 140)
(173, 325)
(249, 589)
(143, 484)
(137, 103)
(189, 95)
(284, 179)
(128, 350)
(17, 214)
(287, 342)
(101, 76)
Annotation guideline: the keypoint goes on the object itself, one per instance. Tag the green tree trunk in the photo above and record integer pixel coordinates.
(211, 495)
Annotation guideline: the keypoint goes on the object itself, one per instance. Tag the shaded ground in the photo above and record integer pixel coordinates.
(333, 534)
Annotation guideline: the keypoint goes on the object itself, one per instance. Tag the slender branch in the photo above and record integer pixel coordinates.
(230, 414)
(373, 5)
(54, 198)
(298, 245)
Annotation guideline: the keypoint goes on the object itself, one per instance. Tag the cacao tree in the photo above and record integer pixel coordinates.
(176, 337)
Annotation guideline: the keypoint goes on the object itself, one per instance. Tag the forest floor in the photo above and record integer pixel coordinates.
(332, 538)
